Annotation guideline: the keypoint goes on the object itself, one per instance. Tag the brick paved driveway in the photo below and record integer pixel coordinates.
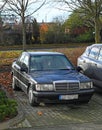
(56, 115)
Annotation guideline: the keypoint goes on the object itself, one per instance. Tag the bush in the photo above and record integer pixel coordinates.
(86, 37)
(8, 107)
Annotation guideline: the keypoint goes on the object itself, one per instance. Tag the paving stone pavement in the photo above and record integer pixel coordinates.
(58, 114)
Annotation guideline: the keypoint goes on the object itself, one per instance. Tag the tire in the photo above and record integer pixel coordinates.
(14, 86)
(31, 98)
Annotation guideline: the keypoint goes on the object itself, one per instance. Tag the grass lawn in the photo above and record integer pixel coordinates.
(7, 57)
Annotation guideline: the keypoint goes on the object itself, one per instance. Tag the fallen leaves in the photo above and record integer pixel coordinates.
(5, 81)
(39, 113)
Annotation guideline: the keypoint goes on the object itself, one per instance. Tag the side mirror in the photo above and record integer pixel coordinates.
(79, 69)
(24, 68)
(15, 60)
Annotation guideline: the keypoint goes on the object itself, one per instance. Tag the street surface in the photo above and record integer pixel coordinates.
(58, 114)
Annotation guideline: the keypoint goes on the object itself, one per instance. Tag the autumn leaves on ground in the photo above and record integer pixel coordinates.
(6, 59)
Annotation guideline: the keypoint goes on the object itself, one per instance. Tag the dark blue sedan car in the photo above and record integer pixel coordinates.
(50, 77)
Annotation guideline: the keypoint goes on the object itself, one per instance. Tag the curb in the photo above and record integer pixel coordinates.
(16, 120)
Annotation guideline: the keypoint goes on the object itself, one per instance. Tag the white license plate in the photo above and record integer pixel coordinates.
(68, 97)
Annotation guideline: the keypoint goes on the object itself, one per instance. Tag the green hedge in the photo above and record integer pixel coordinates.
(86, 37)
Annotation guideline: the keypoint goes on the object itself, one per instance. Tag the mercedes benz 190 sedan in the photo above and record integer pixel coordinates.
(49, 77)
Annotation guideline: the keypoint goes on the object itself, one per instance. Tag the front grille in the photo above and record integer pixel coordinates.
(66, 86)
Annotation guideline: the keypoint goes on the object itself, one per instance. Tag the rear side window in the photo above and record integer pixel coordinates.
(26, 60)
(94, 52)
(20, 59)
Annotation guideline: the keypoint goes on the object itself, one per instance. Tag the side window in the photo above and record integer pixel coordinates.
(94, 52)
(20, 59)
(23, 59)
(100, 55)
(26, 60)
(87, 51)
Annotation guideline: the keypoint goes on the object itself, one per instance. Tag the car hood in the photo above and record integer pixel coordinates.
(50, 76)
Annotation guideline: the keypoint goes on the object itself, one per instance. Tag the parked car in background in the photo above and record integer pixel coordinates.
(50, 77)
(90, 62)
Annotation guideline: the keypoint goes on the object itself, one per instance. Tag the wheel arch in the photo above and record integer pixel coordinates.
(29, 85)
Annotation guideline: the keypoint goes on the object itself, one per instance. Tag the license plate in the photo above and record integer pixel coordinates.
(68, 97)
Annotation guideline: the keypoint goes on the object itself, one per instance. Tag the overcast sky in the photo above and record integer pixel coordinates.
(48, 14)
(50, 11)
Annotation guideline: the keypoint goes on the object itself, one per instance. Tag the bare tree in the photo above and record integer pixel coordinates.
(91, 9)
(24, 8)
(2, 5)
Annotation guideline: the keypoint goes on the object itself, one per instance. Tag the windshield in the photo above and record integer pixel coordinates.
(50, 62)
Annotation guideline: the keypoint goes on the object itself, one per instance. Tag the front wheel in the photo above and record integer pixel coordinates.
(31, 98)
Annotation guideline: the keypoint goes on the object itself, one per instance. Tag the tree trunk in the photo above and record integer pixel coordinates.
(97, 30)
(24, 33)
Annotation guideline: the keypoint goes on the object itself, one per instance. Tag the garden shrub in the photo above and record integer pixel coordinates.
(86, 37)
(8, 107)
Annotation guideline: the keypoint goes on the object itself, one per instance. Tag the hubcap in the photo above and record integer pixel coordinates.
(30, 96)
(13, 83)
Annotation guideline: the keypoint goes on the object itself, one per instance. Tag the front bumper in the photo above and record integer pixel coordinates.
(54, 97)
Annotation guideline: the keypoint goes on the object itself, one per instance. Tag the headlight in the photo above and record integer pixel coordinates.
(86, 85)
(44, 87)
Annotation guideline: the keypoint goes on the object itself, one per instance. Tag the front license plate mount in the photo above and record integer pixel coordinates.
(68, 97)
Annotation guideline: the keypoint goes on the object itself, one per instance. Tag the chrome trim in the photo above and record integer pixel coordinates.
(20, 81)
(66, 81)
(67, 86)
(25, 76)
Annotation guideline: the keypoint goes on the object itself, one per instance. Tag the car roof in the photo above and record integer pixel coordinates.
(97, 45)
(43, 53)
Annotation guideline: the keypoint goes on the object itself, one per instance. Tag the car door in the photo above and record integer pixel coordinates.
(93, 64)
(84, 61)
(24, 77)
(16, 69)
(98, 69)
(91, 61)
